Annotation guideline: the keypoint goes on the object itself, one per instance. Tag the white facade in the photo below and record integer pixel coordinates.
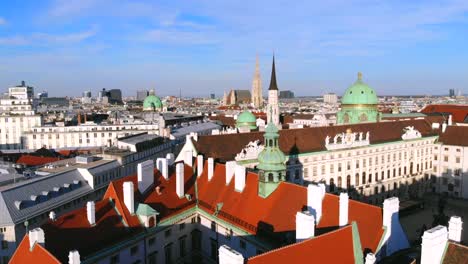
(83, 135)
(330, 98)
(273, 107)
(450, 170)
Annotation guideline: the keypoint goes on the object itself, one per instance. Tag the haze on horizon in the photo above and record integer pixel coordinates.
(203, 47)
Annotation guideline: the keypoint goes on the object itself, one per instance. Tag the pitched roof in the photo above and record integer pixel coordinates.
(37, 255)
(459, 112)
(455, 254)
(294, 141)
(276, 213)
(30, 160)
(455, 136)
(273, 85)
(332, 247)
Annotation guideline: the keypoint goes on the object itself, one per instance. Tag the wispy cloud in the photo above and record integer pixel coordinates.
(2, 21)
(67, 8)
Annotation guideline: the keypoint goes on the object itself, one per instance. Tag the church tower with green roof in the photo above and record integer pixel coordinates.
(272, 167)
(358, 104)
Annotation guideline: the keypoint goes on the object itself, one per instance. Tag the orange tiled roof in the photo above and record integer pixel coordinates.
(30, 160)
(333, 247)
(250, 212)
(37, 255)
(459, 112)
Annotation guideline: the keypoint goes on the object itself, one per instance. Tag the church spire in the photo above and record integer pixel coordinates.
(273, 85)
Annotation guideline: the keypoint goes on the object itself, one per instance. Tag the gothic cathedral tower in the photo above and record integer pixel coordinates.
(273, 107)
(257, 97)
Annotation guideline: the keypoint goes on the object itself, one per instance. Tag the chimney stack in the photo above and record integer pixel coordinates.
(188, 158)
(36, 236)
(239, 181)
(314, 200)
(210, 168)
(344, 205)
(230, 170)
(455, 228)
(370, 258)
(433, 245)
(91, 212)
(145, 175)
(444, 127)
(228, 255)
(391, 206)
(450, 122)
(180, 179)
(129, 196)
(162, 166)
(74, 257)
(305, 226)
(199, 165)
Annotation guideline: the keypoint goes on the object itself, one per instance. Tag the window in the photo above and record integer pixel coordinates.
(167, 233)
(151, 241)
(4, 244)
(214, 249)
(458, 150)
(152, 257)
(182, 226)
(182, 247)
(457, 160)
(115, 259)
(457, 172)
(435, 157)
(242, 244)
(213, 226)
(168, 253)
(133, 250)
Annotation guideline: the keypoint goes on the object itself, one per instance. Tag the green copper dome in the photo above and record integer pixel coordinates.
(152, 102)
(359, 94)
(246, 119)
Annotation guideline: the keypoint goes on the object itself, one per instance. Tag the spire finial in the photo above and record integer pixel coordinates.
(359, 76)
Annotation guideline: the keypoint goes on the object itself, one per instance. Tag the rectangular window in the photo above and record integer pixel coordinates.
(4, 244)
(151, 241)
(242, 244)
(133, 250)
(445, 158)
(167, 233)
(213, 226)
(457, 160)
(182, 247)
(115, 259)
(182, 226)
(214, 249)
(168, 253)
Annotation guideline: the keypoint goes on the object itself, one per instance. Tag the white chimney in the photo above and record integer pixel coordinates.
(444, 127)
(199, 165)
(52, 216)
(391, 206)
(433, 245)
(344, 205)
(455, 228)
(230, 170)
(370, 258)
(74, 257)
(91, 212)
(145, 175)
(36, 236)
(239, 181)
(129, 196)
(228, 255)
(324, 189)
(170, 158)
(305, 226)
(180, 179)
(188, 158)
(314, 201)
(162, 166)
(450, 120)
(210, 168)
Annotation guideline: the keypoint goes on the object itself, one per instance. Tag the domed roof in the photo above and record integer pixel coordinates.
(152, 102)
(246, 118)
(359, 93)
(271, 159)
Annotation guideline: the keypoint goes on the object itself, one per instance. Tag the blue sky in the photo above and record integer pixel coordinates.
(206, 46)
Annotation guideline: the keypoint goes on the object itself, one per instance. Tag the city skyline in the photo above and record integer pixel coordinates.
(205, 47)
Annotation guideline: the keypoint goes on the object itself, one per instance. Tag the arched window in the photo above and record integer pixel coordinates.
(363, 178)
(382, 189)
(348, 181)
(370, 178)
(363, 118)
(270, 143)
(332, 185)
(270, 177)
(339, 182)
(151, 221)
(395, 186)
(356, 179)
(346, 118)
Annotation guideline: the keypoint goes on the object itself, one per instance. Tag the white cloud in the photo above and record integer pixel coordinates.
(2, 21)
(40, 39)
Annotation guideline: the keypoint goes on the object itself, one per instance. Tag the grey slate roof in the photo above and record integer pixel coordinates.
(182, 131)
(38, 188)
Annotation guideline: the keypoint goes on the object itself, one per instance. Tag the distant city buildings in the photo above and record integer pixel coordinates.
(141, 95)
(43, 94)
(286, 94)
(330, 98)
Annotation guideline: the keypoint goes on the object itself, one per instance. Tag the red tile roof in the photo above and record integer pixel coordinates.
(459, 112)
(455, 254)
(30, 160)
(37, 255)
(250, 212)
(455, 136)
(332, 247)
(293, 141)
